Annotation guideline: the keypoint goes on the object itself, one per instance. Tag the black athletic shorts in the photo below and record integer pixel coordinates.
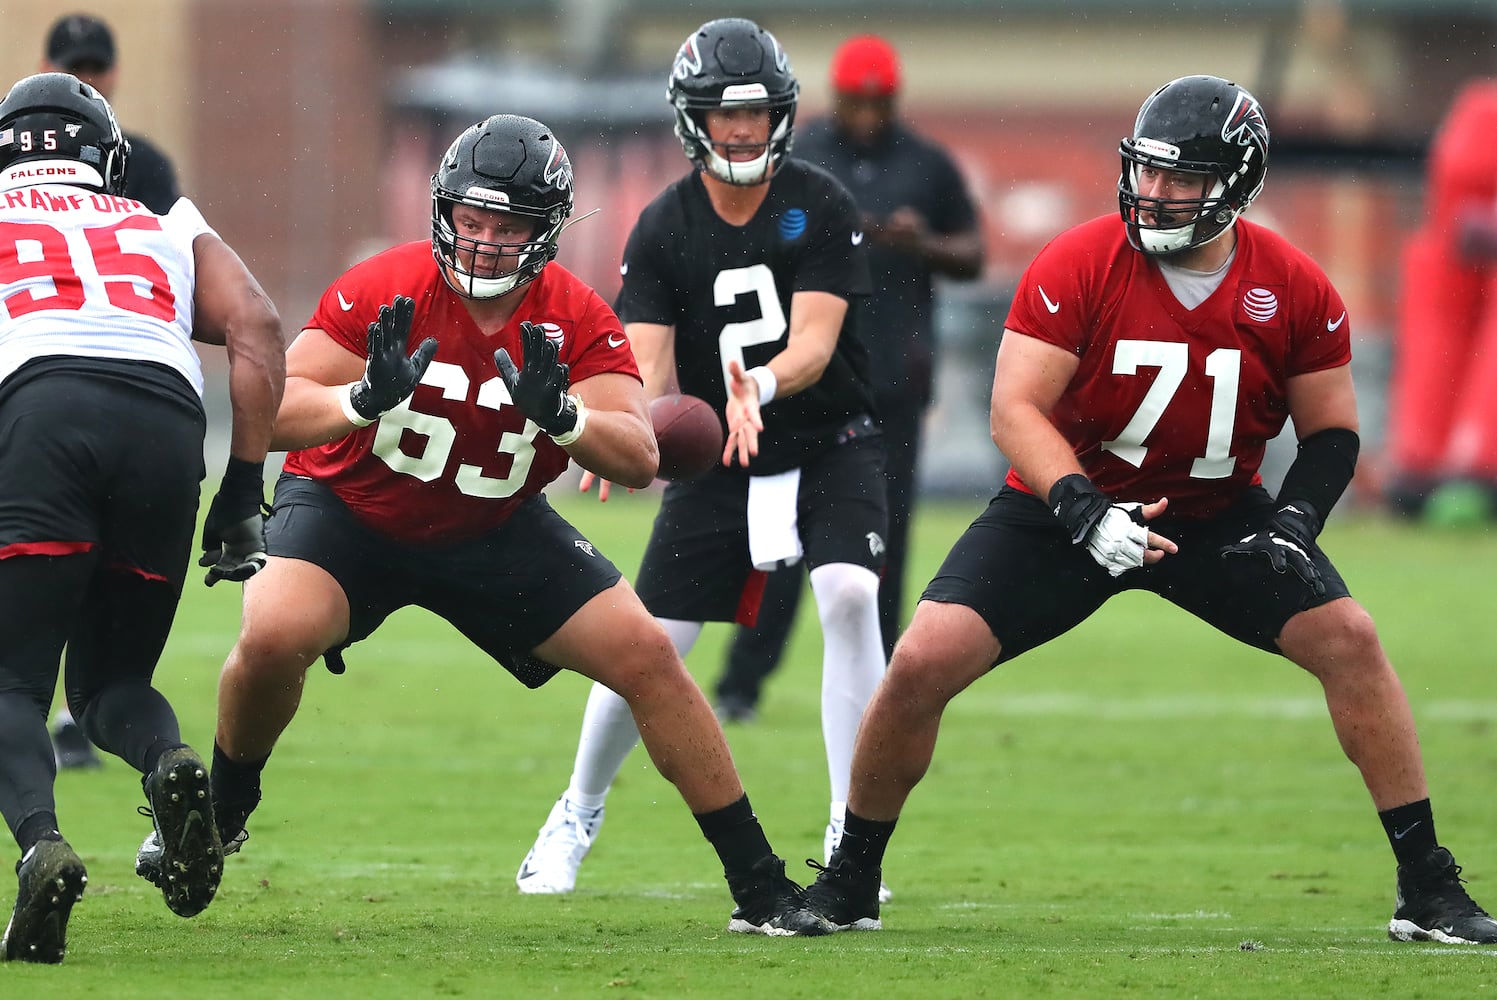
(696, 566)
(102, 454)
(1016, 567)
(100, 464)
(507, 591)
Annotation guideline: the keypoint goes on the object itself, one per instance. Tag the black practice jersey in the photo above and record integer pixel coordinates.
(726, 289)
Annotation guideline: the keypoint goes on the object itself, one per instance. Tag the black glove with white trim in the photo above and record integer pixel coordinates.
(1287, 541)
(389, 375)
(539, 388)
(1113, 533)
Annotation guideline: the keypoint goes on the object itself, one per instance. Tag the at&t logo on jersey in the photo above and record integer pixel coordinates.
(1260, 304)
(793, 225)
(553, 333)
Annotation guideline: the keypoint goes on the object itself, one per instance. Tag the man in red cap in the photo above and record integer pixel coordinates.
(920, 222)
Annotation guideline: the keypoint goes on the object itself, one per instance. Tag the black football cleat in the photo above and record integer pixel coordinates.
(1434, 906)
(845, 895)
(191, 860)
(50, 880)
(770, 903)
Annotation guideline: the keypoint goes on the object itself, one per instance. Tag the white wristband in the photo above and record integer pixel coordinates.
(345, 400)
(768, 384)
(570, 437)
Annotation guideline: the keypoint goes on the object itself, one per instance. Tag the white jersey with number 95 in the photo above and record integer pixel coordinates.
(95, 275)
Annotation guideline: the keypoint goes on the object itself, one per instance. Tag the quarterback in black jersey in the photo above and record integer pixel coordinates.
(740, 285)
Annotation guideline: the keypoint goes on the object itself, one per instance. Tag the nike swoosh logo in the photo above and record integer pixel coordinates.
(623, 269)
(1333, 327)
(615, 341)
(343, 303)
(1400, 834)
(857, 239)
(1054, 307)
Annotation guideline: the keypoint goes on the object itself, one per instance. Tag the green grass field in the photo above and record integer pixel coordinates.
(1141, 809)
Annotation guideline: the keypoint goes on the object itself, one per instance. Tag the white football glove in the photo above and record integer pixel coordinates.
(1118, 542)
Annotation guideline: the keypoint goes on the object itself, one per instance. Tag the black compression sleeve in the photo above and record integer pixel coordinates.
(1322, 469)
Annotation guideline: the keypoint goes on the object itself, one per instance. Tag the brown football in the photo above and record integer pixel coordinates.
(689, 433)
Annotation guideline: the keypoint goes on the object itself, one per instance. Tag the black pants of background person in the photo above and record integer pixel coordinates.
(756, 652)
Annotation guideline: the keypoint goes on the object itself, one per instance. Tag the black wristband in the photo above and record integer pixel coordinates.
(1321, 470)
(1079, 505)
(240, 474)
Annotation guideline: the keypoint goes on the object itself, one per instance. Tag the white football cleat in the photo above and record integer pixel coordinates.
(551, 866)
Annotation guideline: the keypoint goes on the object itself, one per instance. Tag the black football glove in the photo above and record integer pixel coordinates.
(1113, 533)
(234, 531)
(389, 376)
(1286, 541)
(540, 388)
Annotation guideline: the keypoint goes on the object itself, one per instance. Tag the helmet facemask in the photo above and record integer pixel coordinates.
(481, 279)
(1179, 223)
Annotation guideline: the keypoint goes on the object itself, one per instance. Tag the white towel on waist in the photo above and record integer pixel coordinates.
(774, 536)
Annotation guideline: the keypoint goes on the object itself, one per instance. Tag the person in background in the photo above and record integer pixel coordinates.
(83, 46)
(1443, 382)
(101, 457)
(919, 222)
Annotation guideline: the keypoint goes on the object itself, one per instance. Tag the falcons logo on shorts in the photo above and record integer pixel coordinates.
(875, 544)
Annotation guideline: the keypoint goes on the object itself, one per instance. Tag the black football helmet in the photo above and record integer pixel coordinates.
(732, 63)
(59, 118)
(504, 164)
(1199, 124)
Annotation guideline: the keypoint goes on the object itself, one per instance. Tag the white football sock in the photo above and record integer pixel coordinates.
(852, 660)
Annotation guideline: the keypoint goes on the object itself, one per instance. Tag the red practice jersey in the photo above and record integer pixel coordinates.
(1168, 401)
(452, 461)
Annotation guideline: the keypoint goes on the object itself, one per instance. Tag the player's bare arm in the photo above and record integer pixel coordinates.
(311, 414)
(654, 347)
(1322, 400)
(230, 308)
(619, 442)
(815, 324)
(1028, 381)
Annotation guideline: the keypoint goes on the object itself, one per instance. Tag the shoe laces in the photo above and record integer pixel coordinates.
(565, 837)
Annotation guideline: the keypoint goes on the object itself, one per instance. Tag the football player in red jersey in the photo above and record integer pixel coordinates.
(1147, 360)
(438, 387)
(101, 460)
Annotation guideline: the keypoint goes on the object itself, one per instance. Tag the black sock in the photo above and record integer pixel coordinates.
(1411, 830)
(154, 752)
(34, 829)
(736, 835)
(236, 790)
(865, 840)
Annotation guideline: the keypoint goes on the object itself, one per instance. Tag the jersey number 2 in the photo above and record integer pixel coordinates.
(757, 280)
(1223, 368)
